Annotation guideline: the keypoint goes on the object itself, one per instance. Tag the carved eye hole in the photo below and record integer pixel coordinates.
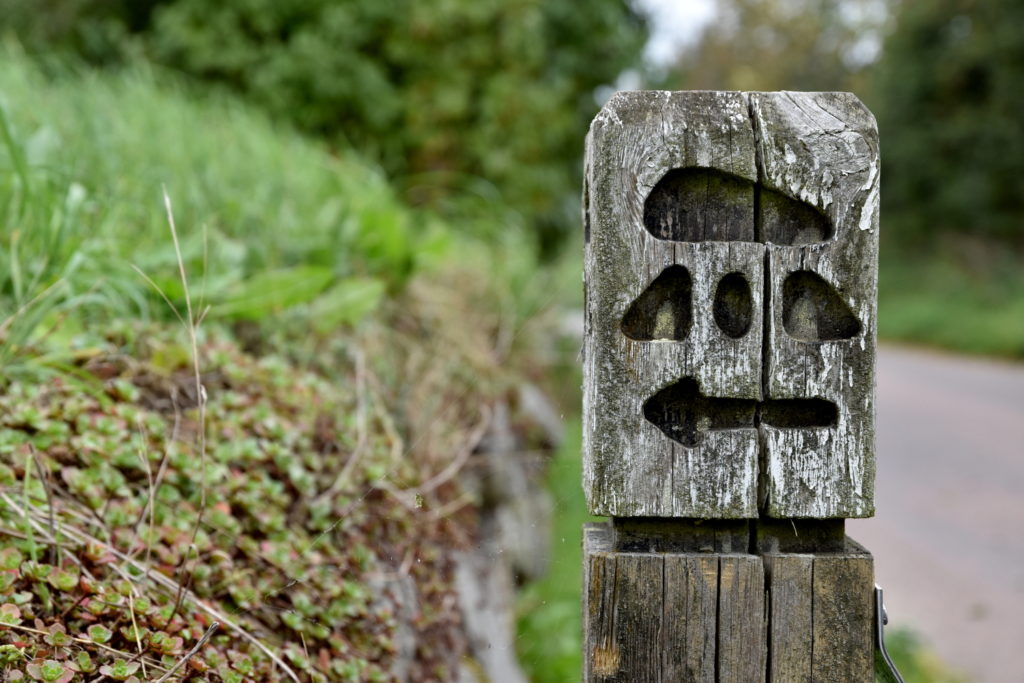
(701, 204)
(734, 305)
(663, 310)
(787, 222)
(708, 205)
(812, 310)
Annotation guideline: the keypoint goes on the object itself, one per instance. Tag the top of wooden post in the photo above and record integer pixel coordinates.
(730, 275)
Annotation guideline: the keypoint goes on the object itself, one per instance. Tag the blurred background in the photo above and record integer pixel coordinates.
(436, 125)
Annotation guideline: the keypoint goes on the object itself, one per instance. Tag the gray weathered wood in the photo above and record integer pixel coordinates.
(780, 617)
(820, 616)
(658, 534)
(843, 617)
(823, 148)
(671, 616)
(690, 596)
(741, 601)
(790, 617)
(781, 189)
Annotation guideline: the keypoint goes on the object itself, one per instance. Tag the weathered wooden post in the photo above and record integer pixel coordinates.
(730, 275)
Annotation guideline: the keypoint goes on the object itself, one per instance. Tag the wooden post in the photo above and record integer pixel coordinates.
(729, 354)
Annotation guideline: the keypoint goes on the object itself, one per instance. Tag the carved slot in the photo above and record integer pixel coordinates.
(786, 221)
(796, 413)
(812, 309)
(683, 413)
(734, 305)
(701, 204)
(663, 310)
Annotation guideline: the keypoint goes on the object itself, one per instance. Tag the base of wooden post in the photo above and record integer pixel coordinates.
(821, 614)
(725, 617)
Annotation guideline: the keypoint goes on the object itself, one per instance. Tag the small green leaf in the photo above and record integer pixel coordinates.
(62, 580)
(99, 633)
(7, 580)
(347, 302)
(84, 661)
(274, 291)
(57, 636)
(120, 670)
(10, 558)
(52, 670)
(10, 615)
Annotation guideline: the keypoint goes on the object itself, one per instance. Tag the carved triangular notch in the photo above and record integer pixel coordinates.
(663, 310)
(812, 309)
(788, 222)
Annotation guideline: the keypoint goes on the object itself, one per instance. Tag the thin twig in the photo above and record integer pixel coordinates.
(362, 431)
(170, 585)
(151, 501)
(49, 501)
(135, 631)
(191, 653)
(458, 462)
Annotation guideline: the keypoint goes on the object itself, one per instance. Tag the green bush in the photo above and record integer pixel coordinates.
(948, 99)
(454, 97)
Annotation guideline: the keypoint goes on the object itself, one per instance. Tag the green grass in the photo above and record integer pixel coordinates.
(268, 219)
(914, 661)
(304, 450)
(550, 614)
(936, 299)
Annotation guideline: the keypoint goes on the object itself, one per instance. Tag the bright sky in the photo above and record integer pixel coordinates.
(673, 23)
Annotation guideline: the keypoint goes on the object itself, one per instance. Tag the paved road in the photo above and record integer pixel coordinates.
(949, 536)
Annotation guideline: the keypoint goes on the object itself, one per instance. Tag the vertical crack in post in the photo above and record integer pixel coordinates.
(662, 636)
(766, 311)
(718, 620)
(768, 598)
(812, 617)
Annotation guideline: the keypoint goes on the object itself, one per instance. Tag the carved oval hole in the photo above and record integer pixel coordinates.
(734, 305)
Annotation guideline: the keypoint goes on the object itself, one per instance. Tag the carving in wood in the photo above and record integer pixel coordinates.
(731, 243)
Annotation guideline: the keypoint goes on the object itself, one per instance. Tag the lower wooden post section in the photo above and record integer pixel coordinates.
(821, 615)
(725, 617)
(671, 616)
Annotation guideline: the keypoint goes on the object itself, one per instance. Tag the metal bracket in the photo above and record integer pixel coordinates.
(885, 670)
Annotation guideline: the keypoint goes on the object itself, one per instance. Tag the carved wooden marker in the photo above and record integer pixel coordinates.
(730, 274)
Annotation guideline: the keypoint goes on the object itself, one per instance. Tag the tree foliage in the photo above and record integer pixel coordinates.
(453, 97)
(949, 97)
(783, 45)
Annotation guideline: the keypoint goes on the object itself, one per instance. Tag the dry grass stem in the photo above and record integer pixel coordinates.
(191, 653)
(362, 432)
(163, 581)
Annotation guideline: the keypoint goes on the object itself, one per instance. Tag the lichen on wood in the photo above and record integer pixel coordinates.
(775, 190)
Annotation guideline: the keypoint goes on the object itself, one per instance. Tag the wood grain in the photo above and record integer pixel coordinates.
(790, 620)
(797, 168)
(843, 616)
(820, 616)
(671, 616)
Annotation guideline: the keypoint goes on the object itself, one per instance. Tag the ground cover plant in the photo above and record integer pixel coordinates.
(254, 420)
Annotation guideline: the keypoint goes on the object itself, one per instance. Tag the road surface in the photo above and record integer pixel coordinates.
(948, 538)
